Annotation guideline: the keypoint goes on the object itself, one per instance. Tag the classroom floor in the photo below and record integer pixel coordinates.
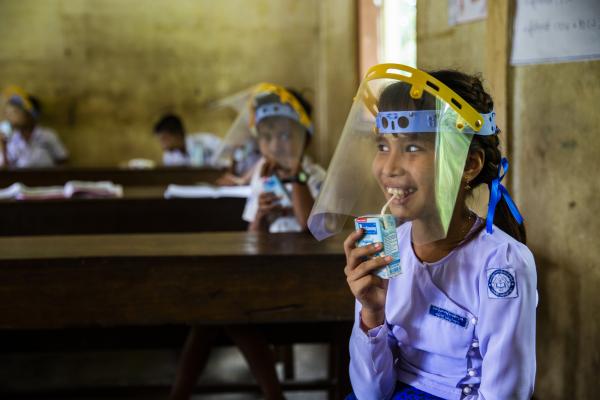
(97, 369)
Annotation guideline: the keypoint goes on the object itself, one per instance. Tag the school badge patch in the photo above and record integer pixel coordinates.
(502, 283)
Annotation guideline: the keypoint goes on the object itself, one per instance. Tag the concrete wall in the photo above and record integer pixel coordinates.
(552, 110)
(107, 69)
(555, 147)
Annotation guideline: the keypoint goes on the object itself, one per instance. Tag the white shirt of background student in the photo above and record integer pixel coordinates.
(28, 144)
(287, 223)
(200, 150)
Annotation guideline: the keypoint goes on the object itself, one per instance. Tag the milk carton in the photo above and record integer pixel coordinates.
(274, 185)
(381, 229)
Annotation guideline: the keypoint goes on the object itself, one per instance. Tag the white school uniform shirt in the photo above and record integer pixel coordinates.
(316, 176)
(460, 328)
(44, 149)
(207, 143)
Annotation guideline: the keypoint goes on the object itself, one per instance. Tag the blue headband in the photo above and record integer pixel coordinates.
(278, 110)
(497, 191)
(17, 100)
(425, 121)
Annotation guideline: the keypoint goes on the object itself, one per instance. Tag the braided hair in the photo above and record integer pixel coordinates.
(470, 88)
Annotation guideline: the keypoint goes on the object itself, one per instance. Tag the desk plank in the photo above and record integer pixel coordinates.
(126, 177)
(140, 280)
(127, 215)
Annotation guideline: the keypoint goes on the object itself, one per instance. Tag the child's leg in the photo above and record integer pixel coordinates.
(259, 357)
(192, 361)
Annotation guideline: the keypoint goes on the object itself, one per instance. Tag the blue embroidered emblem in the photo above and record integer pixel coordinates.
(501, 283)
(448, 316)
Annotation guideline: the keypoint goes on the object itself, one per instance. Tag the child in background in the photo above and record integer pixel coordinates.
(282, 126)
(181, 149)
(280, 119)
(459, 321)
(24, 142)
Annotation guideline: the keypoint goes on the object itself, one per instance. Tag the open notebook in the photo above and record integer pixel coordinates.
(206, 191)
(71, 189)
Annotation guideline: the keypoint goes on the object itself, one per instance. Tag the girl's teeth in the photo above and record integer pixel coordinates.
(396, 191)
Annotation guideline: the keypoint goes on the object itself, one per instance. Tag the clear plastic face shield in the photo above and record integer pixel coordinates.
(273, 117)
(404, 145)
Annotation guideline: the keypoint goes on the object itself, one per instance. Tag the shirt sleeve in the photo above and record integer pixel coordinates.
(506, 327)
(54, 146)
(316, 177)
(371, 361)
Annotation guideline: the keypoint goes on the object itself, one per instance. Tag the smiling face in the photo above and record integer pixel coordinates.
(281, 140)
(405, 164)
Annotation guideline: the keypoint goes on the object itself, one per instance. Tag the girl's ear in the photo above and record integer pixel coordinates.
(474, 164)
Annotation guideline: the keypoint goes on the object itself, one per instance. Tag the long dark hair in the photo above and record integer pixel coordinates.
(470, 88)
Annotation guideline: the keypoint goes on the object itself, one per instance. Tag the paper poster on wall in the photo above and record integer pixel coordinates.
(462, 11)
(551, 31)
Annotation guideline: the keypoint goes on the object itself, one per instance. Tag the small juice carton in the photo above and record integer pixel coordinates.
(274, 185)
(381, 228)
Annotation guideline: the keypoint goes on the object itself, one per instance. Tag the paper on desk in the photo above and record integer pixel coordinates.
(71, 189)
(206, 191)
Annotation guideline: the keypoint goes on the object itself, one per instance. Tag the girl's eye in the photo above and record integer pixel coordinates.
(411, 148)
(382, 147)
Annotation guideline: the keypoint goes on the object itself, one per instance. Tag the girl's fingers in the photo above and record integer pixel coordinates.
(368, 267)
(269, 208)
(267, 199)
(350, 241)
(358, 254)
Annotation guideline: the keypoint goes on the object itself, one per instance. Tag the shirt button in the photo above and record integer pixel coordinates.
(467, 390)
(472, 372)
(474, 321)
(475, 344)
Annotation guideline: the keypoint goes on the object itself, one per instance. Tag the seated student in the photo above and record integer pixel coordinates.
(24, 142)
(457, 319)
(281, 120)
(179, 149)
(284, 131)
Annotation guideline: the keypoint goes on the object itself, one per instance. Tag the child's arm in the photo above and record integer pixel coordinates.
(302, 203)
(506, 325)
(371, 359)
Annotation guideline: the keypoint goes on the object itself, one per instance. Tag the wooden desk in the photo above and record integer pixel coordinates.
(126, 177)
(143, 280)
(136, 213)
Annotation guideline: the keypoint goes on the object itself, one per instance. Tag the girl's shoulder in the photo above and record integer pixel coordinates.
(500, 250)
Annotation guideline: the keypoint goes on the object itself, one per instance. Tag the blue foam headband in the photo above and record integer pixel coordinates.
(420, 121)
(18, 101)
(278, 110)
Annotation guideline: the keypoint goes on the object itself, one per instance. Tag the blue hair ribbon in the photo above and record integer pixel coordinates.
(497, 191)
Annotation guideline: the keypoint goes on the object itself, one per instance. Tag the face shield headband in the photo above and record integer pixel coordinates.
(287, 107)
(18, 97)
(418, 121)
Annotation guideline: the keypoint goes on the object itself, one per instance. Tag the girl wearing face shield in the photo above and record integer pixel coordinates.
(458, 322)
(285, 181)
